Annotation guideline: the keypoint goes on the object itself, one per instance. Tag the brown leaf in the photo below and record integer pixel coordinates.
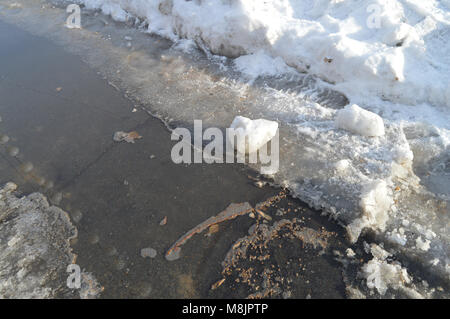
(127, 137)
(134, 135)
(218, 284)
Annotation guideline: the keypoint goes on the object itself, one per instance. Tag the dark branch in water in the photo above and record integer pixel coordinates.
(231, 212)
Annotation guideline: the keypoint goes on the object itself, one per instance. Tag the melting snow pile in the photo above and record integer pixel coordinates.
(34, 245)
(35, 249)
(390, 58)
(392, 49)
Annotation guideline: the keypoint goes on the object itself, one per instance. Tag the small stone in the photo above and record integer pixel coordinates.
(148, 252)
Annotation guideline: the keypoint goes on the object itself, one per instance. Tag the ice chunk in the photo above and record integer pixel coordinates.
(34, 246)
(421, 244)
(255, 133)
(350, 253)
(359, 121)
(342, 165)
(148, 252)
(381, 275)
(398, 236)
(375, 203)
(402, 153)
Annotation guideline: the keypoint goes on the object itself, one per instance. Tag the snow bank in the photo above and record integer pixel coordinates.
(255, 133)
(394, 49)
(357, 120)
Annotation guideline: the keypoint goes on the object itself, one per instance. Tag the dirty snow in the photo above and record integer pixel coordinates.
(35, 249)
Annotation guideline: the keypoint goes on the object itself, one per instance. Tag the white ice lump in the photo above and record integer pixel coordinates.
(258, 133)
(375, 203)
(359, 121)
(382, 275)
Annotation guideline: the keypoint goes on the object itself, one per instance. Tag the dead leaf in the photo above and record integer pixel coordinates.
(134, 135)
(163, 221)
(263, 215)
(218, 284)
(127, 137)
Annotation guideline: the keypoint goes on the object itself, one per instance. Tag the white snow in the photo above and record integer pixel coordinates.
(342, 165)
(254, 133)
(359, 121)
(375, 204)
(395, 49)
(261, 64)
(111, 8)
(350, 253)
(422, 244)
(398, 236)
(381, 274)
